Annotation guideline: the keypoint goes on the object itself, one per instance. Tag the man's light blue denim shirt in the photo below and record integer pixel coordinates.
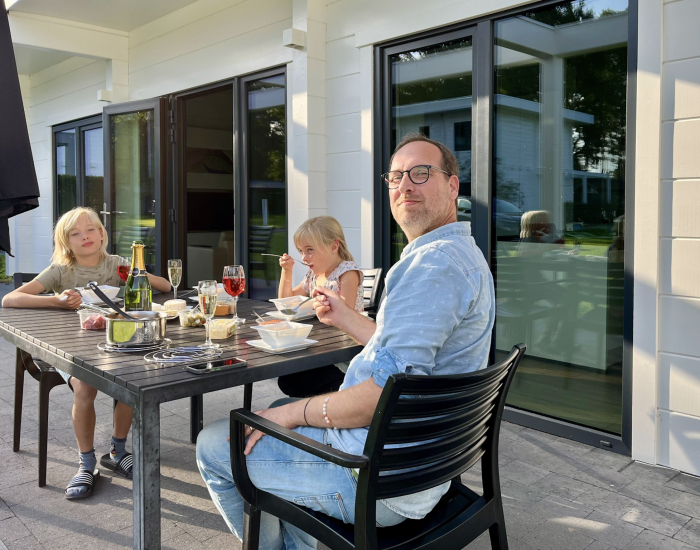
(436, 318)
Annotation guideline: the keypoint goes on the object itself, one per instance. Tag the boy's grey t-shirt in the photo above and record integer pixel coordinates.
(57, 278)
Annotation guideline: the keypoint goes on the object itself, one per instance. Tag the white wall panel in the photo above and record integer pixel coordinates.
(681, 36)
(343, 133)
(680, 149)
(681, 92)
(343, 95)
(344, 206)
(343, 57)
(680, 265)
(679, 384)
(343, 171)
(679, 436)
(678, 325)
(680, 208)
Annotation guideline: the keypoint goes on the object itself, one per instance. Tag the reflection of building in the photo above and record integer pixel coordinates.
(327, 133)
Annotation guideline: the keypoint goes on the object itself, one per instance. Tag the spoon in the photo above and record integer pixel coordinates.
(295, 310)
(278, 256)
(93, 286)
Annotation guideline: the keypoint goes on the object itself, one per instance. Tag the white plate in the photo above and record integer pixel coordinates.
(263, 346)
(283, 317)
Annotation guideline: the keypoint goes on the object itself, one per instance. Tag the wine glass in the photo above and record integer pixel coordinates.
(234, 284)
(123, 267)
(175, 274)
(207, 294)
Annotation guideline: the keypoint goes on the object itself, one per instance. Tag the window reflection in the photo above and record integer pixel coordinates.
(559, 200)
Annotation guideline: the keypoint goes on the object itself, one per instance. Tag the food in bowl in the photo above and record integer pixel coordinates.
(190, 319)
(294, 301)
(283, 334)
(269, 321)
(92, 321)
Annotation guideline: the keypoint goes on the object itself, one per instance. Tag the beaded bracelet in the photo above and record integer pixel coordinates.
(325, 413)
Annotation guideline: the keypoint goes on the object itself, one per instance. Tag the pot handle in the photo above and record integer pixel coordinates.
(92, 285)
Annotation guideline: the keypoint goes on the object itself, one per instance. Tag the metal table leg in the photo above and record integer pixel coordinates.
(196, 416)
(146, 472)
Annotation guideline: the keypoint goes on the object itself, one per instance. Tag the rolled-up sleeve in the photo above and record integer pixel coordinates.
(419, 313)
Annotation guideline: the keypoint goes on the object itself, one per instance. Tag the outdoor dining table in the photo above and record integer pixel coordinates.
(55, 336)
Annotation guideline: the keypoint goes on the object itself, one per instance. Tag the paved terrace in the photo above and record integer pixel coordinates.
(558, 495)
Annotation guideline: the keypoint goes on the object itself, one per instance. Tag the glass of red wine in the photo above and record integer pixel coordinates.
(234, 284)
(123, 268)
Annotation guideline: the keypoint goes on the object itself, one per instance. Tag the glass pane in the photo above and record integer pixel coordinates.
(559, 207)
(431, 93)
(209, 184)
(132, 142)
(267, 183)
(94, 169)
(66, 173)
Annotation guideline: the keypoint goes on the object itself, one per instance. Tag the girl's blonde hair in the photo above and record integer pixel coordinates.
(322, 232)
(62, 253)
(533, 221)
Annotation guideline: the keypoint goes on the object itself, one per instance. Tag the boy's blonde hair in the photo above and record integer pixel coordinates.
(62, 254)
(322, 232)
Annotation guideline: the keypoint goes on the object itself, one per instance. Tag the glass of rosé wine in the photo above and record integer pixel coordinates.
(123, 268)
(234, 284)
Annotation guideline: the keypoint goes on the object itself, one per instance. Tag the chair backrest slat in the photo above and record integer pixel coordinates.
(429, 429)
(371, 284)
(19, 279)
(425, 478)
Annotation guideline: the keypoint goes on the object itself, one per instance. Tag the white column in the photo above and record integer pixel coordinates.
(307, 135)
(552, 128)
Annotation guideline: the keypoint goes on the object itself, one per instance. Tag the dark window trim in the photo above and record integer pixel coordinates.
(482, 159)
(80, 126)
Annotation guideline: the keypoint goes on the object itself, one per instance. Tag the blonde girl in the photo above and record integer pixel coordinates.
(80, 256)
(321, 243)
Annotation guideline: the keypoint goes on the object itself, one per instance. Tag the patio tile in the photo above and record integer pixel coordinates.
(655, 493)
(523, 472)
(633, 511)
(597, 545)
(609, 530)
(520, 522)
(520, 496)
(607, 459)
(684, 482)
(555, 508)
(25, 543)
(650, 473)
(12, 529)
(650, 540)
(5, 511)
(562, 486)
(690, 533)
(557, 536)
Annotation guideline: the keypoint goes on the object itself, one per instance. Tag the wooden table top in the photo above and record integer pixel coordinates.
(59, 332)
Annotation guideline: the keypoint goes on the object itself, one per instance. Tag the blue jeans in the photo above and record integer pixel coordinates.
(287, 472)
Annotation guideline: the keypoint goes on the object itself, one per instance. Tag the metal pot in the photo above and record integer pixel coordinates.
(148, 328)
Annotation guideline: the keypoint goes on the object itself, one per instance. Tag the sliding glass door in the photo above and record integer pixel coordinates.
(542, 183)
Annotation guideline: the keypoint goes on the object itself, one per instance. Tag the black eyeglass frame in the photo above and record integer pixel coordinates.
(428, 166)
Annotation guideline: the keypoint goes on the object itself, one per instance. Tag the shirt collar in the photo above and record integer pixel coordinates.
(454, 228)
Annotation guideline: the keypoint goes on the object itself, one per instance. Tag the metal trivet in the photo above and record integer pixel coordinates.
(183, 355)
(104, 346)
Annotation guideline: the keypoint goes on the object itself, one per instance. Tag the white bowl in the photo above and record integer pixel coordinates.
(89, 297)
(281, 335)
(294, 301)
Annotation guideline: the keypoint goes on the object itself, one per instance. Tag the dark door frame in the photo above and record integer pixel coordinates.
(481, 30)
(159, 106)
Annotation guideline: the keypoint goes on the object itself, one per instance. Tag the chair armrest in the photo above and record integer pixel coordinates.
(247, 418)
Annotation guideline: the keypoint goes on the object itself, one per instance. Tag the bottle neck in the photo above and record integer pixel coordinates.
(137, 260)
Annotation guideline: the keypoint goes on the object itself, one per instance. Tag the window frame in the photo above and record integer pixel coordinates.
(482, 32)
(80, 126)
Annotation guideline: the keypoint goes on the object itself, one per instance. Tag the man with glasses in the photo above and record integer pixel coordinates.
(436, 319)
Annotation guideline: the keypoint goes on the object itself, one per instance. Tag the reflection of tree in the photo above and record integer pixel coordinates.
(434, 89)
(267, 144)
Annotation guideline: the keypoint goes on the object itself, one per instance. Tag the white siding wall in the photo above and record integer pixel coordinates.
(678, 391)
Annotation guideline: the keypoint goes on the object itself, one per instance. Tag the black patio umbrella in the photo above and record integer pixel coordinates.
(19, 189)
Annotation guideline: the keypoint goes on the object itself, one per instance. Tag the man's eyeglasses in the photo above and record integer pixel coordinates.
(418, 175)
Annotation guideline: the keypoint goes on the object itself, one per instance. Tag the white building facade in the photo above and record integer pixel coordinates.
(338, 82)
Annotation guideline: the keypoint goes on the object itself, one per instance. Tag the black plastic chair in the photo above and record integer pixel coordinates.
(371, 284)
(48, 379)
(463, 411)
(259, 237)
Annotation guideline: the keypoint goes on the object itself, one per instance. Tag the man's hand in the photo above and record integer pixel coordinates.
(279, 415)
(69, 299)
(330, 307)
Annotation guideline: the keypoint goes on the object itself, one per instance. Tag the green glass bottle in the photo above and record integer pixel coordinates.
(137, 294)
